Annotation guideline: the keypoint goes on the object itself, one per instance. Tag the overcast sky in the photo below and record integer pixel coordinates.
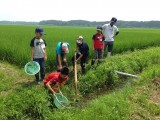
(92, 10)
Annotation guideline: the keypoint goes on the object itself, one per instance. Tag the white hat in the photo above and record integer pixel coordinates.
(80, 37)
(65, 47)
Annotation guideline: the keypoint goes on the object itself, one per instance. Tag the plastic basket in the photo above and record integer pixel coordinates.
(60, 101)
(32, 68)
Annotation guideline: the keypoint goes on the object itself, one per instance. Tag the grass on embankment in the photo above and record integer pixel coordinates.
(21, 99)
(130, 62)
(134, 101)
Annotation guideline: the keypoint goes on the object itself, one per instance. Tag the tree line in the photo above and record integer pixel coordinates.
(120, 23)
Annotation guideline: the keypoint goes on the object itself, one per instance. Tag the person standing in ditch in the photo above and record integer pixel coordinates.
(61, 51)
(82, 53)
(98, 39)
(38, 52)
(110, 32)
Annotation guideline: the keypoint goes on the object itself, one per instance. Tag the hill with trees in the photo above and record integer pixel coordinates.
(120, 23)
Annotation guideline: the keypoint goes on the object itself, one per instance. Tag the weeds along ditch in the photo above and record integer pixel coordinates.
(27, 101)
(104, 74)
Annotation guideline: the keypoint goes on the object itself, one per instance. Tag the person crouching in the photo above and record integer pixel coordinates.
(56, 80)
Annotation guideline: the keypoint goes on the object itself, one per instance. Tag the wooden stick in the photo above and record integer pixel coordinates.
(75, 75)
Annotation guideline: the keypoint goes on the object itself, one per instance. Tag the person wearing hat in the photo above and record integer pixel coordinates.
(38, 52)
(98, 39)
(110, 32)
(82, 53)
(61, 50)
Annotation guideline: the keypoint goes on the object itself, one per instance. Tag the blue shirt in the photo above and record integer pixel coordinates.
(59, 48)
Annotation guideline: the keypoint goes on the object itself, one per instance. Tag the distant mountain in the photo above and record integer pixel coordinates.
(120, 23)
(19, 22)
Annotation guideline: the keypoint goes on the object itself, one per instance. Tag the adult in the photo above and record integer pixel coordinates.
(110, 32)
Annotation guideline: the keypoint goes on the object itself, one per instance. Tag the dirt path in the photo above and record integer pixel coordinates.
(15, 78)
(10, 70)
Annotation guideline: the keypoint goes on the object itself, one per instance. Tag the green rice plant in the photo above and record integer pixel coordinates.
(15, 41)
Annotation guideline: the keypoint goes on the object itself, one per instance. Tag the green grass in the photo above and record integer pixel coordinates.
(130, 62)
(122, 104)
(22, 99)
(15, 41)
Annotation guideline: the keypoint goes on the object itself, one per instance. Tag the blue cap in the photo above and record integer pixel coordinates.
(39, 30)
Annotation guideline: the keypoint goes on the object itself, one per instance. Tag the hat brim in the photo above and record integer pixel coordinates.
(42, 33)
(99, 30)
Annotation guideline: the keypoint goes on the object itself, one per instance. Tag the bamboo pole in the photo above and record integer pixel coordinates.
(75, 75)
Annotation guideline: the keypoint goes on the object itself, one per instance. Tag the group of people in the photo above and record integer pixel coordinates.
(103, 39)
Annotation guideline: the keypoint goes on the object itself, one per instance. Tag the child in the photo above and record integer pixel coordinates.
(56, 80)
(82, 54)
(98, 39)
(61, 50)
(38, 52)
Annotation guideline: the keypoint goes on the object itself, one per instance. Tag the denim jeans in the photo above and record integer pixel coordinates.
(42, 69)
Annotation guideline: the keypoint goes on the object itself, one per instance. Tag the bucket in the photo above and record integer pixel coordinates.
(60, 101)
(32, 68)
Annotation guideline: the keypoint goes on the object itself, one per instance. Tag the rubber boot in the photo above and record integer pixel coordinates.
(109, 54)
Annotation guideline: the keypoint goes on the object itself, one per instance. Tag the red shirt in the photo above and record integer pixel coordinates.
(98, 41)
(55, 77)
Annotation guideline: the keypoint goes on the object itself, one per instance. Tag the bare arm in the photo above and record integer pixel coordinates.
(103, 46)
(59, 61)
(93, 43)
(81, 55)
(32, 52)
(48, 85)
(59, 89)
(45, 54)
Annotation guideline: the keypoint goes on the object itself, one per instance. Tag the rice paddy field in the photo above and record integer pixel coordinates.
(15, 41)
(103, 94)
